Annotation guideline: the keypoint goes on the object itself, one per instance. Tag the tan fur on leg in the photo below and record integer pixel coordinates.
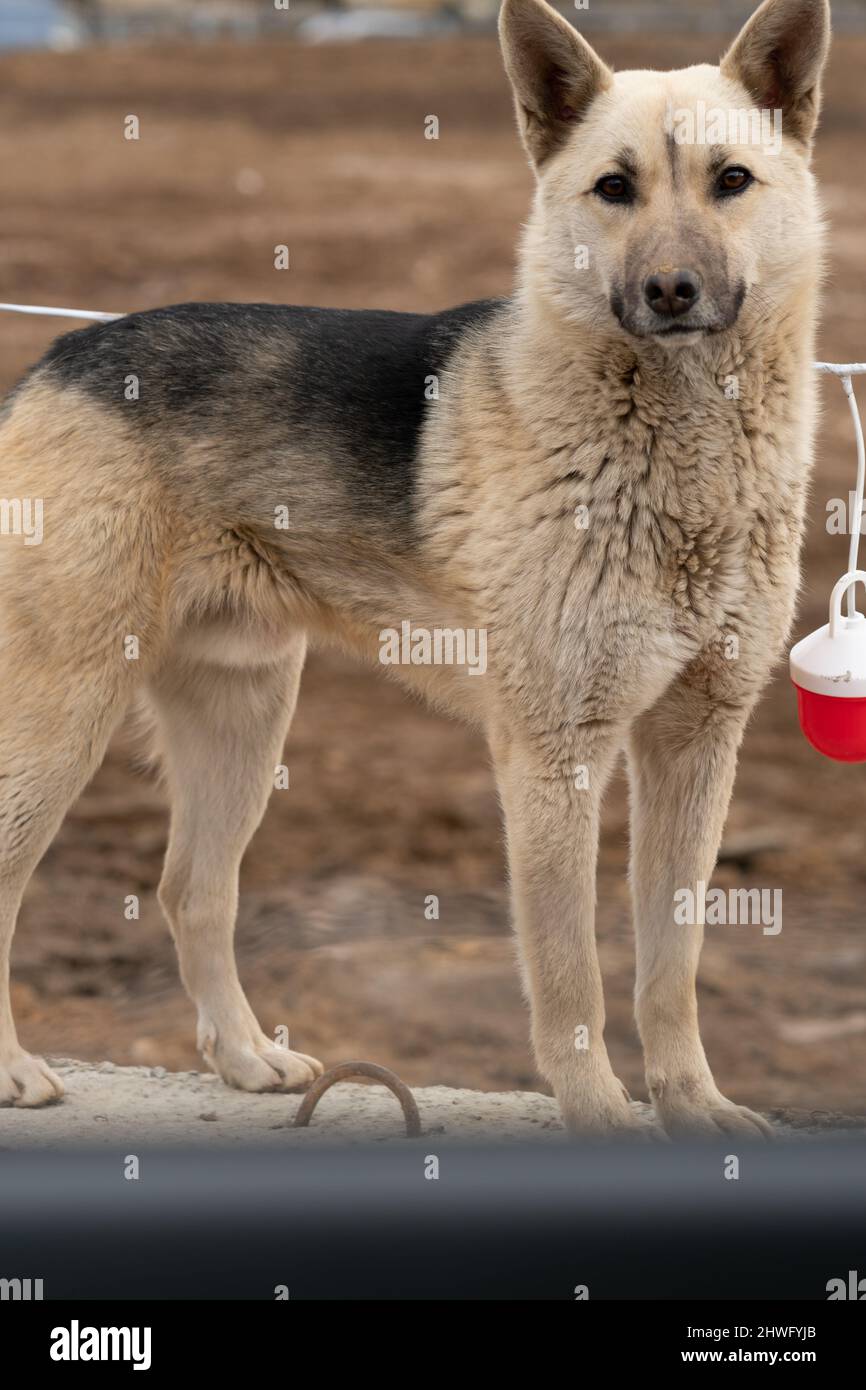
(552, 831)
(222, 732)
(683, 758)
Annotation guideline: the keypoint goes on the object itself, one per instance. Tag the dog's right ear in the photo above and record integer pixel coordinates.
(553, 71)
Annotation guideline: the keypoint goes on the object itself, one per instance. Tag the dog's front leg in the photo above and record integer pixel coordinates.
(683, 755)
(552, 802)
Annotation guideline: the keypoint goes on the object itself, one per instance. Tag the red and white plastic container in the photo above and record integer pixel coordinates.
(828, 668)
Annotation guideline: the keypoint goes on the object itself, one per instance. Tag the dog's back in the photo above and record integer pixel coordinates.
(284, 388)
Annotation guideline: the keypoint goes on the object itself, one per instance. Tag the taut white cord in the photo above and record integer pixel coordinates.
(845, 371)
(854, 546)
(841, 368)
(61, 313)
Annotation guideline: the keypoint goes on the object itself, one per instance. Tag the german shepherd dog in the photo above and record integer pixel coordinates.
(606, 479)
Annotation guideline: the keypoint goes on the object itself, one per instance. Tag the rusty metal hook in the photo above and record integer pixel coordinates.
(342, 1072)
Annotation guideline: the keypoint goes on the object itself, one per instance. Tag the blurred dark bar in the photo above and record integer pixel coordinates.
(661, 1222)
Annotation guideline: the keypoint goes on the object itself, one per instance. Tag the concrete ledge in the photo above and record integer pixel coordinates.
(110, 1105)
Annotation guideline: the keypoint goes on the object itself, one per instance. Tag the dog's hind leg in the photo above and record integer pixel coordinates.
(57, 710)
(80, 621)
(222, 731)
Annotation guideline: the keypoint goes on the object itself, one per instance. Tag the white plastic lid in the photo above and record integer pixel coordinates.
(832, 660)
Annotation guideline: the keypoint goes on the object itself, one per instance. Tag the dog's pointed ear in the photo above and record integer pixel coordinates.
(779, 56)
(553, 71)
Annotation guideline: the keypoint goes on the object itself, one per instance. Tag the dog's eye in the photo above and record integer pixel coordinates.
(614, 188)
(733, 180)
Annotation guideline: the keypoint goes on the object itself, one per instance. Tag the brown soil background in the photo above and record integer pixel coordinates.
(388, 802)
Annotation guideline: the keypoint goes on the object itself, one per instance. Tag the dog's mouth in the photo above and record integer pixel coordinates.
(687, 328)
(635, 321)
(674, 330)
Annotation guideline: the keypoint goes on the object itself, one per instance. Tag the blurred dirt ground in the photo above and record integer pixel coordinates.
(323, 149)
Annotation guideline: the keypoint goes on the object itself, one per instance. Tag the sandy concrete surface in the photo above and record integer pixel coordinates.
(107, 1104)
(111, 1105)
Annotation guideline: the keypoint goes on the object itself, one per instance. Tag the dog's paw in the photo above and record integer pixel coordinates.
(689, 1110)
(605, 1112)
(27, 1081)
(260, 1065)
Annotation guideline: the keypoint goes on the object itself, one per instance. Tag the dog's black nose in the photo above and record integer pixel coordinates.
(670, 293)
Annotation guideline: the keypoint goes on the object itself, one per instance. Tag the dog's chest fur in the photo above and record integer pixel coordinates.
(613, 520)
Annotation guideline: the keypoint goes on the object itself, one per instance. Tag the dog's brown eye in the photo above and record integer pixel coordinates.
(614, 188)
(733, 180)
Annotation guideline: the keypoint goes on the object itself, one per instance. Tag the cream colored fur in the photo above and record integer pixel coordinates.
(606, 637)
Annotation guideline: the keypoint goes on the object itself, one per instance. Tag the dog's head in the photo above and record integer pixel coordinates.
(670, 204)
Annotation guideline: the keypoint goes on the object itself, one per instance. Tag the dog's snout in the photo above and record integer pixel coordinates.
(670, 293)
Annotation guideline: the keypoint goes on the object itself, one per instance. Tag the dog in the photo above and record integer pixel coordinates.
(604, 474)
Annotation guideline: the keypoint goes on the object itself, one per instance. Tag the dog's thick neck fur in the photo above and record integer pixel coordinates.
(727, 428)
(714, 438)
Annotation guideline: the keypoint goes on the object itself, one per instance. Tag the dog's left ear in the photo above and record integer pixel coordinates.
(553, 71)
(779, 56)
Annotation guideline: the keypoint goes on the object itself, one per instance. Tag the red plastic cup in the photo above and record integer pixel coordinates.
(834, 725)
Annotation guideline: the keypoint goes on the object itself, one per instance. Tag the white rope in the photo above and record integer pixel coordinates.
(837, 368)
(854, 546)
(60, 313)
